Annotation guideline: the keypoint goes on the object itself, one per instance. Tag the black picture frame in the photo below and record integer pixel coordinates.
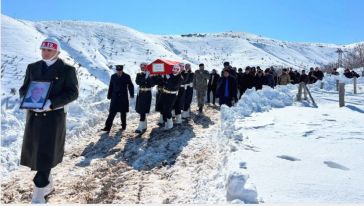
(37, 99)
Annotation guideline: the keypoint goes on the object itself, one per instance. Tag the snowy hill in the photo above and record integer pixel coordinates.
(223, 156)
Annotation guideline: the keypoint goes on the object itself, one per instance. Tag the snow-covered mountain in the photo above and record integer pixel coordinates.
(92, 46)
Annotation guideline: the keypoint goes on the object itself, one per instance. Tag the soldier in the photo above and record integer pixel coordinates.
(45, 129)
(189, 91)
(158, 103)
(144, 97)
(180, 101)
(120, 83)
(169, 95)
(200, 85)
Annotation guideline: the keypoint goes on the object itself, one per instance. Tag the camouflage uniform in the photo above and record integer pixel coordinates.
(200, 80)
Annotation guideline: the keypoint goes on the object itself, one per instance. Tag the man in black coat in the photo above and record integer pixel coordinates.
(259, 80)
(268, 78)
(304, 77)
(45, 129)
(311, 78)
(211, 86)
(189, 75)
(169, 95)
(318, 74)
(247, 81)
(226, 89)
(120, 83)
(144, 97)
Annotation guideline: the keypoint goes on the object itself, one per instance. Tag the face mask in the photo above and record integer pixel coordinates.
(50, 61)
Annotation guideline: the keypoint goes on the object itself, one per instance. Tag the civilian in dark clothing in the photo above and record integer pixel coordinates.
(211, 86)
(246, 82)
(268, 78)
(304, 77)
(318, 74)
(350, 74)
(259, 80)
(226, 89)
(311, 79)
(334, 71)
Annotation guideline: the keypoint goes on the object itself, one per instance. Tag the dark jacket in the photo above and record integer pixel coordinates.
(268, 80)
(318, 74)
(213, 81)
(304, 78)
(189, 90)
(232, 88)
(171, 84)
(144, 98)
(45, 132)
(118, 92)
(258, 82)
(246, 82)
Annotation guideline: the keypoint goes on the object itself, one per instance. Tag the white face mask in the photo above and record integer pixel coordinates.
(51, 61)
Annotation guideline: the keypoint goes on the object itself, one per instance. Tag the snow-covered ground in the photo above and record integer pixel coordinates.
(267, 148)
(297, 152)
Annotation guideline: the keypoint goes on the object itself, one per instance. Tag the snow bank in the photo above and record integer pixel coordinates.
(259, 101)
(330, 82)
(240, 189)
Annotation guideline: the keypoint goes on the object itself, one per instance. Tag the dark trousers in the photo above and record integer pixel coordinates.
(209, 90)
(168, 103)
(142, 117)
(188, 98)
(241, 92)
(226, 100)
(111, 118)
(41, 178)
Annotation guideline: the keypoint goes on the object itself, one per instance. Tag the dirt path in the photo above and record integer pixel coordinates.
(156, 167)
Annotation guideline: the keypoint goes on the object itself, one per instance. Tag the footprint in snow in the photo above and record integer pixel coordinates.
(243, 165)
(335, 165)
(290, 158)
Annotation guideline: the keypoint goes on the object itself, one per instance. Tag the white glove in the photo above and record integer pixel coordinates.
(147, 74)
(167, 76)
(46, 108)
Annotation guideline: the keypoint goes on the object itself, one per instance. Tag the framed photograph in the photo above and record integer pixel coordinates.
(36, 96)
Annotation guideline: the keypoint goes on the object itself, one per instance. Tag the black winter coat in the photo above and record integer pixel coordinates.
(258, 82)
(45, 132)
(118, 92)
(220, 90)
(213, 81)
(144, 98)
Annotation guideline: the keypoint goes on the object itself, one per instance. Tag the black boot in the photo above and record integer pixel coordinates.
(105, 129)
